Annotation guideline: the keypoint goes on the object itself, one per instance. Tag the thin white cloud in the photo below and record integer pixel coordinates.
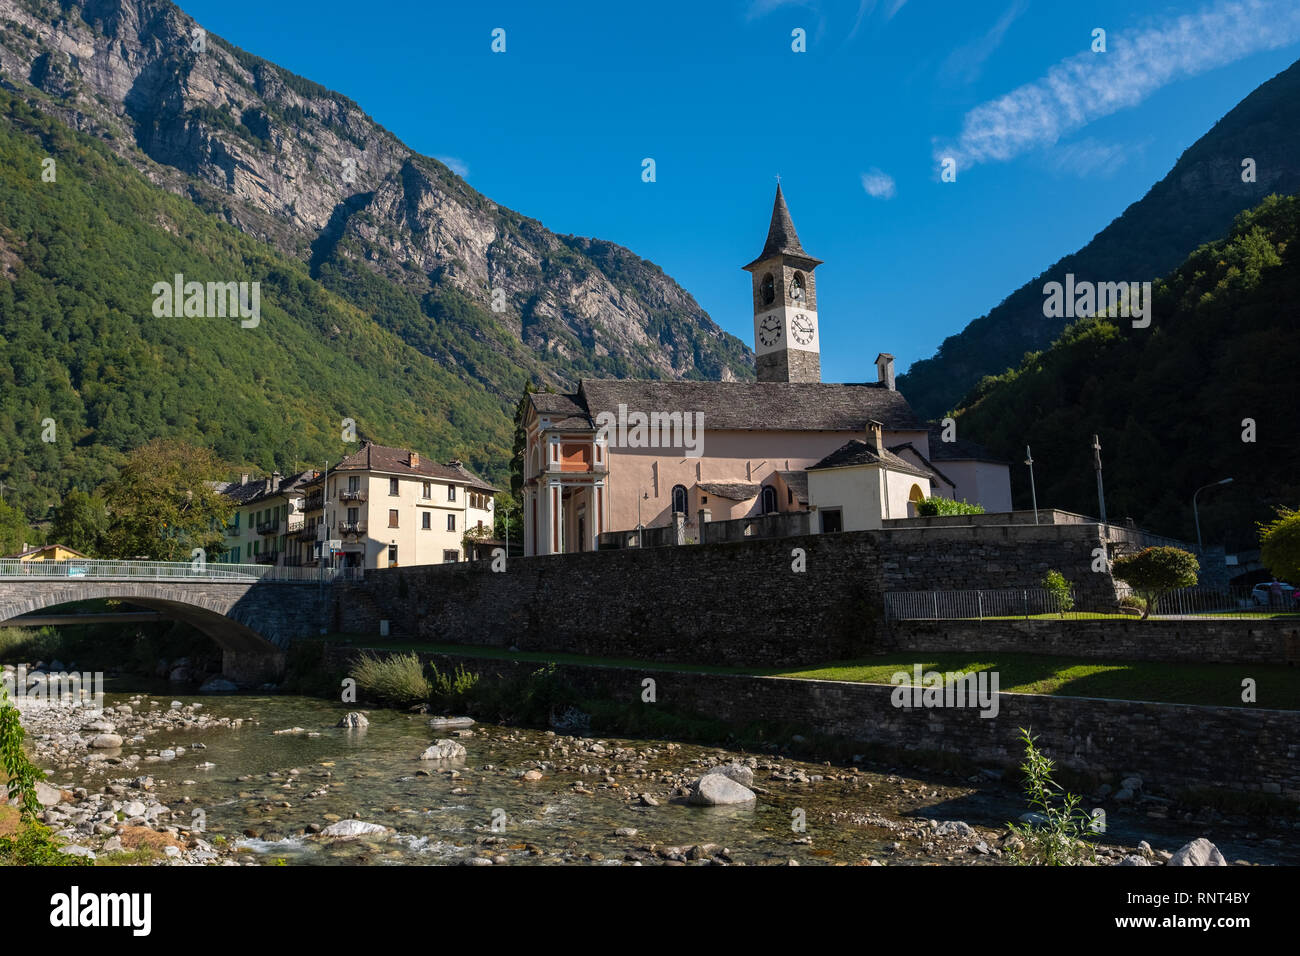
(1091, 158)
(964, 63)
(894, 8)
(457, 166)
(878, 184)
(1090, 85)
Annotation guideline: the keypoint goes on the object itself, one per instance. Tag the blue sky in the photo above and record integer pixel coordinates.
(1052, 140)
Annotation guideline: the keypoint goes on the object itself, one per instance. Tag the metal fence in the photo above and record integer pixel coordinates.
(13, 569)
(1002, 603)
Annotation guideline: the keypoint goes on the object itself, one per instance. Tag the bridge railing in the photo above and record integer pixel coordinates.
(74, 570)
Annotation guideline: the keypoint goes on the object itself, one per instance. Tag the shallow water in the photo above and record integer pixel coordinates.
(478, 806)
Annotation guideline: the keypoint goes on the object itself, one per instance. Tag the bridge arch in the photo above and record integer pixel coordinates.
(252, 622)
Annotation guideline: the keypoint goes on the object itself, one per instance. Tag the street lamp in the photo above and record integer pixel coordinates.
(1033, 490)
(1196, 517)
(640, 530)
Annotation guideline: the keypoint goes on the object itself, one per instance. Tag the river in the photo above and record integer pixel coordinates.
(261, 773)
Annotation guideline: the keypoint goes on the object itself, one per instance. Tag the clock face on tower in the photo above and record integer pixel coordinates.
(802, 328)
(769, 331)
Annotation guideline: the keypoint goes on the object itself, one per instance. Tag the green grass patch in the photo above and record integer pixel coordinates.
(1176, 683)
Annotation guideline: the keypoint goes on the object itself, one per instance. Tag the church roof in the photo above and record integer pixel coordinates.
(796, 481)
(739, 406)
(781, 237)
(959, 449)
(858, 452)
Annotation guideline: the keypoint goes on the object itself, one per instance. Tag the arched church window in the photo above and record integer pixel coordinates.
(679, 498)
(768, 289)
(769, 500)
(796, 287)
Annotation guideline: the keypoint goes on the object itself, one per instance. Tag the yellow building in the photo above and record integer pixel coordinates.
(389, 507)
(48, 552)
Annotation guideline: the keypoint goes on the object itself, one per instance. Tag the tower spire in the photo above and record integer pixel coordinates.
(781, 236)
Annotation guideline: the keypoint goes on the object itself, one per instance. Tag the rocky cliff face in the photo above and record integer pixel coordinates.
(305, 169)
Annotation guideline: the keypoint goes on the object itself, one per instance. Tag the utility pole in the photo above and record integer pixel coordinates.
(1101, 489)
(1033, 489)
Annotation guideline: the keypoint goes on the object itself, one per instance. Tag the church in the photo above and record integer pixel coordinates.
(617, 455)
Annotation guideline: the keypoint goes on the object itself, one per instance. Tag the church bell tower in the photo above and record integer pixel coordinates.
(787, 345)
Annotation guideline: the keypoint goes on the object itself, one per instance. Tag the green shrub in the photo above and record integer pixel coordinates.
(1154, 572)
(1058, 592)
(35, 845)
(935, 505)
(21, 774)
(1060, 839)
(454, 691)
(394, 681)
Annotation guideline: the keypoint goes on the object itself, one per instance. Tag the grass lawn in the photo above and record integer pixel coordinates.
(1277, 685)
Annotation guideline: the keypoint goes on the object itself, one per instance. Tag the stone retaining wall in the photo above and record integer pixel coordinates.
(1206, 641)
(1173, 747)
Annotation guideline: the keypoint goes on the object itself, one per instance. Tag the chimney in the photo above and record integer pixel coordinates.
(243, 479)
(876, 436)
(885, 370)
(267, 483)
(454, 463)
(415, 459)
(277, 479)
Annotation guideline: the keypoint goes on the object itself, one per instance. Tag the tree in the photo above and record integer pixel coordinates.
(163, 503)
(14, 531)
(1154, 572)
(1058, 591)
(1279, 545)
(79, 522)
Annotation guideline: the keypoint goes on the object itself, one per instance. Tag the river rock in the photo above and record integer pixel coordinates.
(106, 741)
(353, 719)
(353, 829)
(734, 771)
(443, 750)
(1200, 852)
(48, 796)
(719, 790)
(85, 851)
(218, 685)
(447, 723)
(1134, 859)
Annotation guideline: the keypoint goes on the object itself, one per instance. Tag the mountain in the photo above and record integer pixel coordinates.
(1170, 403)
(393, 293)
(1195, 203)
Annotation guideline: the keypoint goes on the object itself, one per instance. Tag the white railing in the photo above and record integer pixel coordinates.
(13, 569)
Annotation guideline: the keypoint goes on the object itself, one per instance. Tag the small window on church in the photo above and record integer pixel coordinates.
(679, 499)
(796, 287)
(768, 289)
(768, 502)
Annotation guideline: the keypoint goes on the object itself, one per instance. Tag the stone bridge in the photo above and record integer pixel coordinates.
(252, 616)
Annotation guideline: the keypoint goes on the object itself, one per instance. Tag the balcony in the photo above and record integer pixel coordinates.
(269, 527)
(314, 502)
(266, 557)
(306, 533)
(352, 496)
(352, 527)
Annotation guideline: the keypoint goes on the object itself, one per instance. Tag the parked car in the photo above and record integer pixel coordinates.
(1262, 594)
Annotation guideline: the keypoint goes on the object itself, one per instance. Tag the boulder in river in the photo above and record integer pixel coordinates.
(447, 723)
(106, 742)
(443, 750)
(353, 829)
(719, 790)
(737, 772)
(1200, 852)
(353, 719)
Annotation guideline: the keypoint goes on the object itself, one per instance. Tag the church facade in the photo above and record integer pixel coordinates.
(616, 455)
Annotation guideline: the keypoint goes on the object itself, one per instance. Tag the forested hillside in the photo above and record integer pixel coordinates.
(1170, 402)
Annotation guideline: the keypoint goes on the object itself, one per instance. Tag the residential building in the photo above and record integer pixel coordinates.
(391, 507)
(268, 515)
